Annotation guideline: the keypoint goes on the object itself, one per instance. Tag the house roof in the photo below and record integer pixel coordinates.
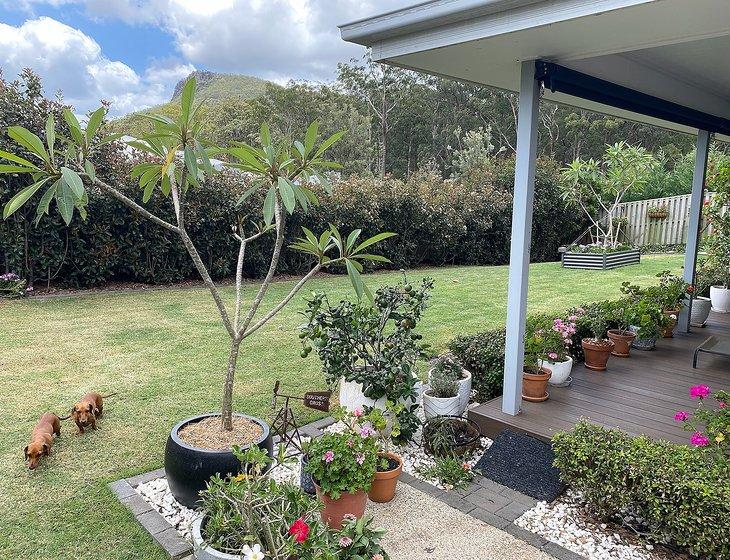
(676, 51)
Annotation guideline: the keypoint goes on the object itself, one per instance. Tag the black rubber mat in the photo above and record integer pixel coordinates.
(522, 463)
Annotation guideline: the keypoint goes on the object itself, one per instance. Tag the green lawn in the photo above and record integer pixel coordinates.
(164, 352)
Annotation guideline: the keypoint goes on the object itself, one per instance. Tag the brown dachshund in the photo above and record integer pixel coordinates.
(41, 440)
(88, 409)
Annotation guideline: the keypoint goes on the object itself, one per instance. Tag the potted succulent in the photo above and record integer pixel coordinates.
(598, 348)
(621, 314)
(541, 342)
(442, 396)
(389, 465)
(699, 292)
(371, 349)
(343, 466)
(172, 161)
(558, 359)
(464, 380)
(649, 321)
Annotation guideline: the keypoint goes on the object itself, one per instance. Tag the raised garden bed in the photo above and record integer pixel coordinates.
(601, 261)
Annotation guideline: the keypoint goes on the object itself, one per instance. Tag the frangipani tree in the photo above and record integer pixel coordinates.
(175, 162)
(598, 187)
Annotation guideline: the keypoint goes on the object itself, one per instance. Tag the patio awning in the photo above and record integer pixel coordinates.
(676, 51)
(660, 62)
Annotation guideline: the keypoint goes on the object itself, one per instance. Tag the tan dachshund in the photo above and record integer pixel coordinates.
(42, 438)
(88, 409)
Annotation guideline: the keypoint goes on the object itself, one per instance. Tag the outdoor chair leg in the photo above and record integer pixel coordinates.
(694, 360)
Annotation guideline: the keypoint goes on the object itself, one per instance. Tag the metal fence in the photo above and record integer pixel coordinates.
(668, 226)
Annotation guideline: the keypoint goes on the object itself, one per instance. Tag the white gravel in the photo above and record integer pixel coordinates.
(157, 493)
(567, 522)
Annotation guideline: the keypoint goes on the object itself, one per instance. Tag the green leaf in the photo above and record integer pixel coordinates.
(300, 148)
(191, 162)
(287, 194)
(354, 234)
(74, 126)
(269, 206)
(301, 197)
(324, 146)
(310, 137)
(90, 170)
(18, 159)
(94, 123)
(247, 193)
(265, 135)
(65, 201)
(374, 239)
(73, 180)
(28, 140)
(45, 201)
(370, 257)
(22, 197)
(355, 279)
(50, 134)
(186, 98)
(16, 169)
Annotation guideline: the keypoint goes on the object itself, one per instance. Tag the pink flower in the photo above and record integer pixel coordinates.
(360, 459)
(552, 355)
(345, 542)
(699, 440)
(349, 517)
(681, 416)
(329, 456)
(357, 412)
(366, 431)
(723, 404)
(466, 466)
(378, 557)
(699, 391)
(573, 318)
(350, 443)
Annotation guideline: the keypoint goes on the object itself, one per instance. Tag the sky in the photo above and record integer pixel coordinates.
(133, 52)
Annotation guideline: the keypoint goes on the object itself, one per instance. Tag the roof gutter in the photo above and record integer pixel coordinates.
(423, 16)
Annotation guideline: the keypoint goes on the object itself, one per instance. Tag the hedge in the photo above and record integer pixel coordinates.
(683, 494)
(461, 222)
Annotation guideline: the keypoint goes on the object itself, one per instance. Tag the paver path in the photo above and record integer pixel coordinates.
(421, 527)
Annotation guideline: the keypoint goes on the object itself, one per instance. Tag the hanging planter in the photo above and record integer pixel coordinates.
(657, 212)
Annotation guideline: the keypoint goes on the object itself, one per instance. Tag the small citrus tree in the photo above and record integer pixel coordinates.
(598, 187)
(175, 162)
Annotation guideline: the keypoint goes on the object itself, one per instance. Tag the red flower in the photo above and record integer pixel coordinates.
(300, 530)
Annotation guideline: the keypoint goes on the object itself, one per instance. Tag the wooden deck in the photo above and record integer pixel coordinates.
(639, 395)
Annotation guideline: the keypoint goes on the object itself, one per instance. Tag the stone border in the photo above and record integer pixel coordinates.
(484, 499)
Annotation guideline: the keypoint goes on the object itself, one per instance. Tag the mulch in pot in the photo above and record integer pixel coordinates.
(208, 433)
(522, 463)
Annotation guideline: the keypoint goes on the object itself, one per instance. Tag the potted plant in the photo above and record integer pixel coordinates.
(598, 348)
(671, 295)
(542, 342)
(389, 465)
(621, 314)
(718, 246)
(699, 292)
(442, 396)
(658, 212)
(173, 161)
(343, 466)
(558, 359)
(450, 436)
(371, 349)
(649, 321)
(464, 380)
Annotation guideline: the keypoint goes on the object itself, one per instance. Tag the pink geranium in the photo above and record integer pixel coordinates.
(360, 459)
(699, 391)
(681, 416)
(329, 456)
(698, 439)
(345, 542)
(357, 412)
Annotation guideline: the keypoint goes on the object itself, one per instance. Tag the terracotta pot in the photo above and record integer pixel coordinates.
(597, 353)
(334, 511)
(534, 385)
(622, 342)
(668, 331)
(383, 488)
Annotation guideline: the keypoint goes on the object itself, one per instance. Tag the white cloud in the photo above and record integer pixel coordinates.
(71, 61)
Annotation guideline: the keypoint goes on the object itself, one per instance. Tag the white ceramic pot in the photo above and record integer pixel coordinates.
(561, 370)
(434, 406)
(202, 551)
(720, 299)
(352, 397)
(464, 388)
(700, 311)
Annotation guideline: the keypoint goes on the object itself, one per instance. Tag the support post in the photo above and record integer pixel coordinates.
(519, 263)
(695, 221)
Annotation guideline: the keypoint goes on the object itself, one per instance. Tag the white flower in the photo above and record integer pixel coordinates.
(253, 554)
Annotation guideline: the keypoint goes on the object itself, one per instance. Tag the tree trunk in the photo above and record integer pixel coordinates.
(227, 408)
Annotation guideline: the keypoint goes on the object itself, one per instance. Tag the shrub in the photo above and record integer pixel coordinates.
(682, 493)
(451, 472)
(483, 355)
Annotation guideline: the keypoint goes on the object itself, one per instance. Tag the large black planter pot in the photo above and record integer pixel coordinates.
(188, 468)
